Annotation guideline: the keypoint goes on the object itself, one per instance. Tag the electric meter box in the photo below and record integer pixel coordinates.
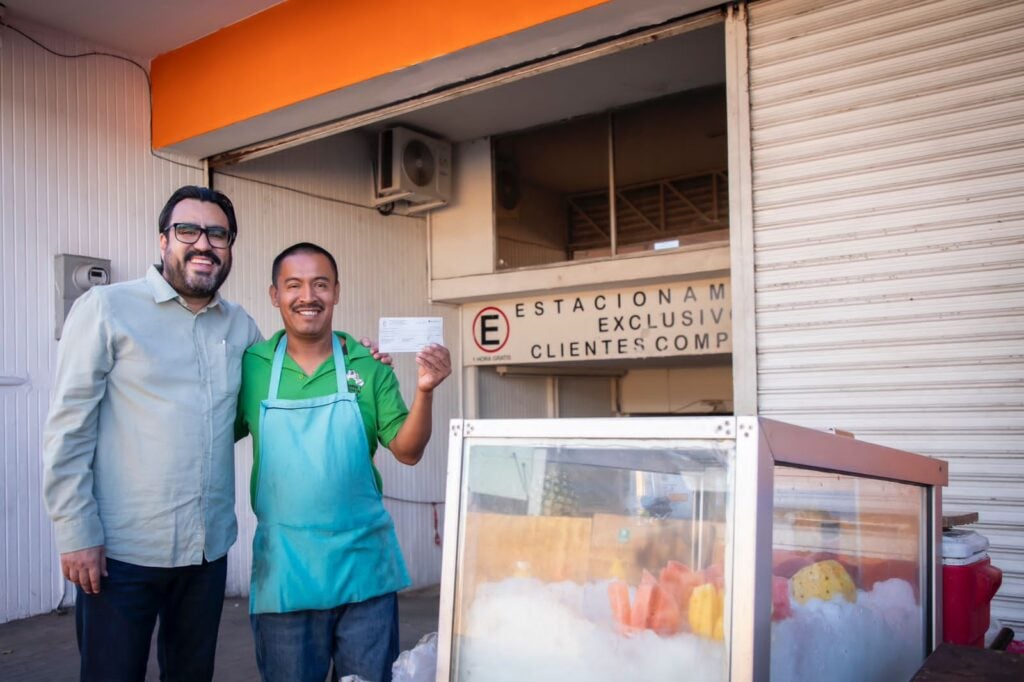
(75, 275)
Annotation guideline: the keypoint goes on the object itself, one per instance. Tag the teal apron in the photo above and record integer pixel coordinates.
(324, 538)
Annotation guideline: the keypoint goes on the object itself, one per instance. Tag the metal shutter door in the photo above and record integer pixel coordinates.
(888, 175)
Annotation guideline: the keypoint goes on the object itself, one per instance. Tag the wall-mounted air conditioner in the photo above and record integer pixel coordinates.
(413, 167)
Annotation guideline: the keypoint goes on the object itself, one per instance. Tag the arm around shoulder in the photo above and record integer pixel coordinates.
(254, 331)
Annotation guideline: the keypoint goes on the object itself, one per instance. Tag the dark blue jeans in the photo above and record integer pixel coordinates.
(115, 627)
(361, 638)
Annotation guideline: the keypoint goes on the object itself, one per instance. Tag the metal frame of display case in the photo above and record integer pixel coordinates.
(760, 445)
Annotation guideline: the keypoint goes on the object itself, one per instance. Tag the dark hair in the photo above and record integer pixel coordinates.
(301, 247)
(199, 194)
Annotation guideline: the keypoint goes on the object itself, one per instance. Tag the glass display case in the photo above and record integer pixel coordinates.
(692, 548)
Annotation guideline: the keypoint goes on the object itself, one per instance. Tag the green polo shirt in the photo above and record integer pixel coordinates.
(380, 403)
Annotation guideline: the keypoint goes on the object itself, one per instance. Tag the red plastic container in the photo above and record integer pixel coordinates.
(969, 581)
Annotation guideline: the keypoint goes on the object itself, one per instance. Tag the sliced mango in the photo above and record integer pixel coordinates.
(822, 580)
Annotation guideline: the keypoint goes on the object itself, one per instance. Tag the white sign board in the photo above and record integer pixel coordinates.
(662, 320)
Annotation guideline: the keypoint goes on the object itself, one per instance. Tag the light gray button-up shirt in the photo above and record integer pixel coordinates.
(139, 444)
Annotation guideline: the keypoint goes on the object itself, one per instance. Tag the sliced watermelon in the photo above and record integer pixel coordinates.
(618, 596)
(787, 562)
(665, 615)
(713, 572)
(641, 611)
(781, 608)
(673, 579)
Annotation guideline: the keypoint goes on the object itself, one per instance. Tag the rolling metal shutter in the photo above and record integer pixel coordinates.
(888, 176)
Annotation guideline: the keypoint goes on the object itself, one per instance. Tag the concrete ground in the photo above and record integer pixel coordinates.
(44, 648)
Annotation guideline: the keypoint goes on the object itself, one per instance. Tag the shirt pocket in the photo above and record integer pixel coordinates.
(226, 367)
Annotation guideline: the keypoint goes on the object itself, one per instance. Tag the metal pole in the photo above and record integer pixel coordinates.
(700, 523)
(612, 222)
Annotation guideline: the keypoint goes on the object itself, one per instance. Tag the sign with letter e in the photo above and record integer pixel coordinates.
(490, 330)
(669, 319)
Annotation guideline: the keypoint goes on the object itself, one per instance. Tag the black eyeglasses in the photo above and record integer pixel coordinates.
(219, 237)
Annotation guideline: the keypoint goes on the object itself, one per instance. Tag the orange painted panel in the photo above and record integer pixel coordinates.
(304, 48)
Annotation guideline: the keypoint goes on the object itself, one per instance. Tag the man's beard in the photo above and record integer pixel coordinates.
(195, 285)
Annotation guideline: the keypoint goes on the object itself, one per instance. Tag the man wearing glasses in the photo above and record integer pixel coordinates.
(139, 445)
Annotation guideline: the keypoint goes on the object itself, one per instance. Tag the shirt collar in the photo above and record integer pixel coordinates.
(353, 349)
(163, 291)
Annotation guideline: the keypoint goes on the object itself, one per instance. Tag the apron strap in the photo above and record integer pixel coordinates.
(340, 371)
(275, 370)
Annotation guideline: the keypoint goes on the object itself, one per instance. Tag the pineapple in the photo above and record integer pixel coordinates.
(707, 604)
(822, 580)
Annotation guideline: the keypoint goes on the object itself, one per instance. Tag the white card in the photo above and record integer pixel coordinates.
(409, 334)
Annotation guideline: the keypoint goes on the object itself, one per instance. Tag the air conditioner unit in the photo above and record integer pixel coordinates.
(413, 167)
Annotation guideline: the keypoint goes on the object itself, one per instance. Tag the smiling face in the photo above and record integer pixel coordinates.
(306, 291)
(197, 270)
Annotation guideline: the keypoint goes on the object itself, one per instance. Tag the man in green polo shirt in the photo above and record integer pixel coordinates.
(326, 561)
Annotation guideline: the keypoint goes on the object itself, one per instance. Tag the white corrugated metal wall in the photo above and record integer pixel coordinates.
(383, 268)
(538, 396)
(583, 396)
(76, 176)
(511, 396)
(888, 140)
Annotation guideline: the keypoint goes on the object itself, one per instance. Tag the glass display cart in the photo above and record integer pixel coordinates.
(691, 548)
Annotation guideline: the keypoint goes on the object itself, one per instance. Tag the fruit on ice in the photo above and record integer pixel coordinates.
(678, 580)
(875, 570)
(525, 629)
(618, 596)
(641, 611)
(655, 606)
(707, 604)
(822, 580)
(786, 563)
(665, 617)
(781, 608)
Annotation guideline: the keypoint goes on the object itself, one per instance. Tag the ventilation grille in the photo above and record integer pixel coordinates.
(652, 211)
